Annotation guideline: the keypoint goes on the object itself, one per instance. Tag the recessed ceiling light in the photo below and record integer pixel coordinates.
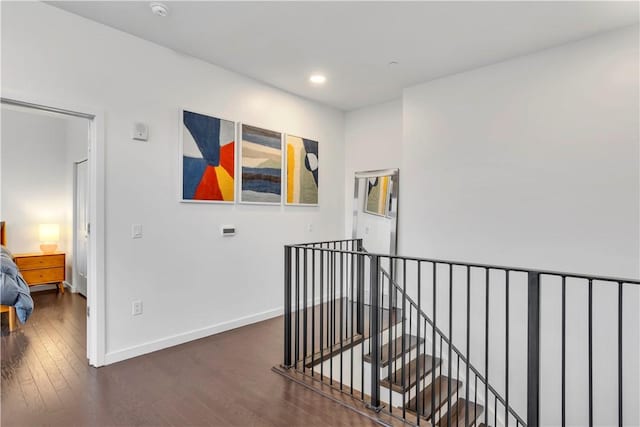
(159, 9)
(317, 79)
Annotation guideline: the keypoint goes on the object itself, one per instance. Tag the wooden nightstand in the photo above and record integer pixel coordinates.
(40, 269)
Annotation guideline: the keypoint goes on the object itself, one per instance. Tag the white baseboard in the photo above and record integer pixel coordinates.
(160, 344)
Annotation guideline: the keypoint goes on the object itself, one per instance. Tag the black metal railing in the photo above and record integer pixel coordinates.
(361, 322)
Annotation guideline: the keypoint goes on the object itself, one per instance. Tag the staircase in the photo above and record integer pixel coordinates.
(412, 382)
(380, 330)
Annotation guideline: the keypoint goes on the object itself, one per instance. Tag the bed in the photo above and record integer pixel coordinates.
(5, 308)
(14, 290)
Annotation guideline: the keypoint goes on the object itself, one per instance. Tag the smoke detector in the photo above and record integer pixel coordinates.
(159, 9)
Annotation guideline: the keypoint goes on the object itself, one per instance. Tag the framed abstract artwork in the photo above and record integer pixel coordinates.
(301, 171)
(261, 165)
(375, 201)
(208, 158)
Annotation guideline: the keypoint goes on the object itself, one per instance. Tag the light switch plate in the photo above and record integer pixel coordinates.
(136, 231)
(140, 132)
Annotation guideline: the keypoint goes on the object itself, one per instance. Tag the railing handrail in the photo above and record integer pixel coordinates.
(453, 347)
(356, 252)
(467, 264)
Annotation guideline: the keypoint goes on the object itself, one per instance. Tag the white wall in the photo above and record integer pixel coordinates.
(33, 177)
(373, 140)
(534, 162)
(190, 279)
(531, 162)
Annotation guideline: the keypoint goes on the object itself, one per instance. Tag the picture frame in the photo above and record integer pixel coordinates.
(260, 165)
(207, 158)
(301, 181)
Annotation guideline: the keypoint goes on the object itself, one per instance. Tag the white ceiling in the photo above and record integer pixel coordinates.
(282, 43)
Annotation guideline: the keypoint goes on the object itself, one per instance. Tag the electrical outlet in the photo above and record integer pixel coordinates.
(310, 227)
(136, 308)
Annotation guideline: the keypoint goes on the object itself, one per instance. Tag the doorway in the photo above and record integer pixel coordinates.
(65, 194)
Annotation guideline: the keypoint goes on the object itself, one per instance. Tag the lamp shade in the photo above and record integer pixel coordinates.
(49, 237)
(49, 233)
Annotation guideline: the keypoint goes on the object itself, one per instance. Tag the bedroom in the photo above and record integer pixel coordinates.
(44, 199)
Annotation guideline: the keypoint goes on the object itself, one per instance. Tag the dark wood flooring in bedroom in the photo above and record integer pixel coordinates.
(223, 380)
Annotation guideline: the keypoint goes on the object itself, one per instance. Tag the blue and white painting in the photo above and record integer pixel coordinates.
(261, 163)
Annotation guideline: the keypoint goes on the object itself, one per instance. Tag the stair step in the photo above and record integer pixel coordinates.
(458, 411)
(425, 364)
(411, 342)
(440, 389)
(334, 350)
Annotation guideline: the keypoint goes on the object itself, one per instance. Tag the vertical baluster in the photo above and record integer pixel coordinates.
(466, 413)
(351, 274)
(433, 349)
(304, 305)
(361, 261)
(620, 354)
(450, 344)
(297, 334)
(486, 349)
(457, 374)
(375, 332)
(333, 311)
(322, 307)
(475, 398)
(424, 355)
(506, 358)
(313, 311)
(391, 325)
(440, 410)
(419, 406)
(533, 349)
(564, 349)
(287, 306)
(590, 353)
(341, 312)
(360, 291)
(404, 332)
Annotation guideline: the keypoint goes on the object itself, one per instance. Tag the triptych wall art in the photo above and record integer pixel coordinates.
(268, 163)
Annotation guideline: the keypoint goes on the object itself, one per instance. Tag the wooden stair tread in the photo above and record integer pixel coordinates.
(440, 389)
(425, 363)
(411, 342)
(458, 411)
(328, 352)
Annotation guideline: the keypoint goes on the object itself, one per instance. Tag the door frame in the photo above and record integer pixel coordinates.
(96, 295)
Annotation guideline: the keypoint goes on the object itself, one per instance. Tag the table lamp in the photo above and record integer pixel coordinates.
(49, 237)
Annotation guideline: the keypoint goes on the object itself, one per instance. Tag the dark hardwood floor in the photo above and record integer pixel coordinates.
(223, 380)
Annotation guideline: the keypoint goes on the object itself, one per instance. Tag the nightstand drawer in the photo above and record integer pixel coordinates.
(48, 275)
(44, 261)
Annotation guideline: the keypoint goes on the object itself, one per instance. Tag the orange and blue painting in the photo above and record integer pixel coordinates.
(302, 171)
(208, 158)
(261, 161)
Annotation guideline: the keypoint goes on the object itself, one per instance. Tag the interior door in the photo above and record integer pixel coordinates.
(82, 224)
